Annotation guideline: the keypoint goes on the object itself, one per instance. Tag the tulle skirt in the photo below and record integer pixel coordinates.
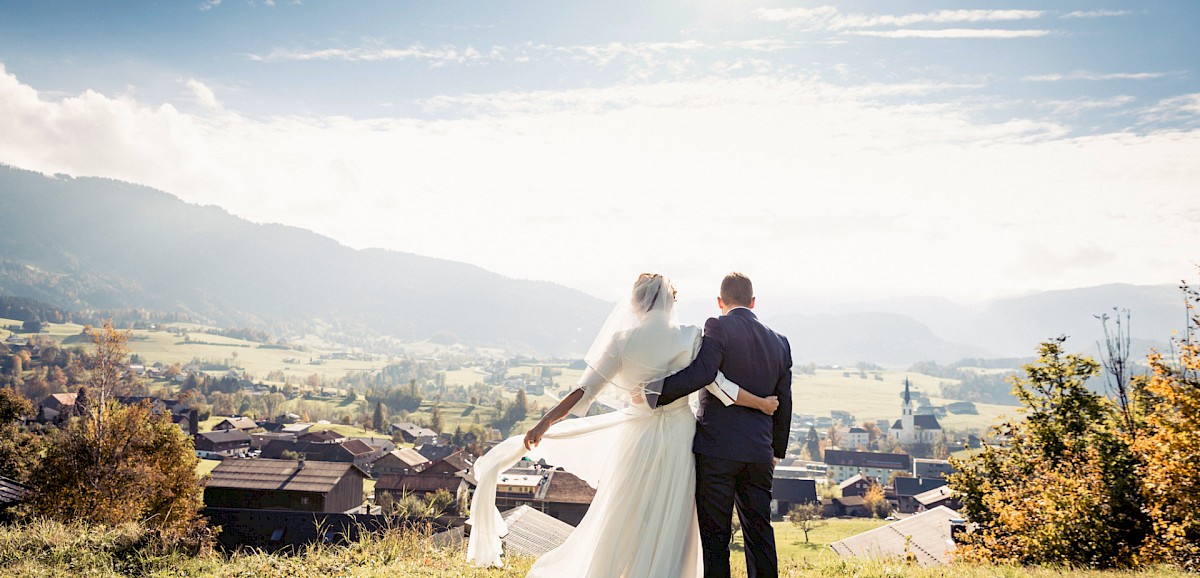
(642, 521)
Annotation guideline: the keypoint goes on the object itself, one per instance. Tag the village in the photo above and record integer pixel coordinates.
(280, 482)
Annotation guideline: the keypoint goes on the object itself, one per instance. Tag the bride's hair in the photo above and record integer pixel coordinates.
(651, 290)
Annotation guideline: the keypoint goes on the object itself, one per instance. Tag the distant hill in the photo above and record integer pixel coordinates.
(91, 243)
(1013, 327)
(885, 338)
(901, 331)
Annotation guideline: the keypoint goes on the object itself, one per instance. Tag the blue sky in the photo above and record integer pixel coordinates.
(831, 150)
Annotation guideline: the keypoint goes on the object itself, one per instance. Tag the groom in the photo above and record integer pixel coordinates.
(736, 447)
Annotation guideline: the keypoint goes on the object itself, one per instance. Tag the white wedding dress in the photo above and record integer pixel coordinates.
(642, 521)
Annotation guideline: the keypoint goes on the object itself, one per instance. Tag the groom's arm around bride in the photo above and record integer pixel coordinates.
(735, 447)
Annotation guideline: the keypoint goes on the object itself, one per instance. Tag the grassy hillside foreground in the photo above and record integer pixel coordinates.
(51, 549)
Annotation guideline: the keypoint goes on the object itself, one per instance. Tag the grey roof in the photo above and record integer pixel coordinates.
(923, 421)
(408, 456)
(530, 533)
(868, 460)
(11, 491)
(794, 490)
(231, 435)
(435, 452)
(935, 495)
(850, 481)
(926, 536)
(283, 475)
(913, 486)
(238, 422)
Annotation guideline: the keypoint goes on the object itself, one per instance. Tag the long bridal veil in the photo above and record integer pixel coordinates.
(641, 341)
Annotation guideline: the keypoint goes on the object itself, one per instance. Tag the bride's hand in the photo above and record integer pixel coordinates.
(769, 405)
(534, 436)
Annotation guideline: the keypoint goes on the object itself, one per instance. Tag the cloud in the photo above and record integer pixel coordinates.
(951, 33)
(1096, 13)
(626, 178)
(1082, 105)
(829, 18)
(1182, 112)
(445, 54)
(209, 4)
(1085, 75)
(204, 95)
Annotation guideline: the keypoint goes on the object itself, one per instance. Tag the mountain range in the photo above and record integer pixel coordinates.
(91, 243)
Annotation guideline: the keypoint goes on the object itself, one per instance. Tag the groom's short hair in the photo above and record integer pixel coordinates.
(736, 289)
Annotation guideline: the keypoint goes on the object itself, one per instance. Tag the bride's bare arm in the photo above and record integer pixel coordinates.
(767, 405)
(534, 436)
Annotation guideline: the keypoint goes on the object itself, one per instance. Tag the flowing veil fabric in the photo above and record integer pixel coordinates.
(641, 522)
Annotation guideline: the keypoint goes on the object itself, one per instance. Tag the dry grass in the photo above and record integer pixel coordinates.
(43, 548)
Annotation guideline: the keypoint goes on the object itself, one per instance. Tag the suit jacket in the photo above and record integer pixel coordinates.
(757, 359)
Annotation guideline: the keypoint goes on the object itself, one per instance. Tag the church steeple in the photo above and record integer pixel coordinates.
(908, 431)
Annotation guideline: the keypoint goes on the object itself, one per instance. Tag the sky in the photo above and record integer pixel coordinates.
(830, 150)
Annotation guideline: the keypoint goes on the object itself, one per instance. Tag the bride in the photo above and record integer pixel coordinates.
(642, 521)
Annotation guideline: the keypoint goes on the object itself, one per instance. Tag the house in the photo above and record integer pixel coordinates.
(844, 464)
(789, 492)
(907, 489)
(236, 423)
(856, 485)
(795, 468)
(221, 443)
(381, 444)
(413, 433)
(448, 466)
(260, 440)
(435, 453)
(924, 539)
(555, 492)
(531, 533)
(296, 429)
(352, 451)
(327, 436)
(57, 404)
(927, 468)
(847, 506)
(401, 461)
(567, 497)
(287, 530)
(301, 485)
(910, 428)
(422, 485)
(857, 437)
(938, 497)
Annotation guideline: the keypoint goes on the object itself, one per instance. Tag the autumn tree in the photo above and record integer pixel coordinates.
(1063, 490)
(1170, 450)
(807, 517)
(116, 463)
(876, 502)
(19, 450)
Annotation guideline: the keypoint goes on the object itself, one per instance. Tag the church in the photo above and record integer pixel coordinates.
(921, 429)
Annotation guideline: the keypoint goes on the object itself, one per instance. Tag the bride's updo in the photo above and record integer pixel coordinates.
(652, 291)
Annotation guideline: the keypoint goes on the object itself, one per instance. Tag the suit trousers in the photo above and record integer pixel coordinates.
(722, 484)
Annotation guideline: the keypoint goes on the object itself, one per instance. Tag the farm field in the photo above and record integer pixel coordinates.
(871, 400)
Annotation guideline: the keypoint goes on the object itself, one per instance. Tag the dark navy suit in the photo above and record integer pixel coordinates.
(734, 445)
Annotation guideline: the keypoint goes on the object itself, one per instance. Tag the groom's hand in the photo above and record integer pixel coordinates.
(769, 405)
